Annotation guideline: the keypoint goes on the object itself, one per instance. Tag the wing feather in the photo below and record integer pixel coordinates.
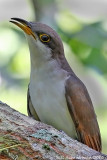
(82, 113)
(30, 109)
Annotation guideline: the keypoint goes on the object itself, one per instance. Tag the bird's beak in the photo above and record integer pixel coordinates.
(24, 25)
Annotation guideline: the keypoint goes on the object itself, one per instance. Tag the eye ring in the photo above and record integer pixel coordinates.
(44, 38)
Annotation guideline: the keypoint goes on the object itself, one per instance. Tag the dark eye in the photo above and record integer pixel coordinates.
(44, 38)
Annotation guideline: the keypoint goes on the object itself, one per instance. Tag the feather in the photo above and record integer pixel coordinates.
(30, 109)
(82, 113)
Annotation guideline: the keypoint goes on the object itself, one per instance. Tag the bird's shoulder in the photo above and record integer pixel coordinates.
(76, 88)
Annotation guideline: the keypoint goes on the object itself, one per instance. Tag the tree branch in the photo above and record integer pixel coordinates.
(23, 138)
(45, 11)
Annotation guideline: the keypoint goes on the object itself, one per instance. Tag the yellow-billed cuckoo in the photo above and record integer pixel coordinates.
(56, 96)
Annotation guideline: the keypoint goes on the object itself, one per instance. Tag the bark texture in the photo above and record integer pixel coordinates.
(22, 138)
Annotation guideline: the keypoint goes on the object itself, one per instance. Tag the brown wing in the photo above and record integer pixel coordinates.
(82, 113)
(30, 109)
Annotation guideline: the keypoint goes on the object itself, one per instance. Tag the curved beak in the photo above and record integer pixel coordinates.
(24, 25)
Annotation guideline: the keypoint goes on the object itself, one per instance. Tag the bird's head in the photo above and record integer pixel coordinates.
(44, 42)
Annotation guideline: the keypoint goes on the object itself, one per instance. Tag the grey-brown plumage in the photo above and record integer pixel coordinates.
(56, 95)
(30, 109)
(82, 113)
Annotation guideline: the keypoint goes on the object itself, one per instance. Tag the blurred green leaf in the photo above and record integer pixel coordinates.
(89, 45)
(20, 63)
(9, 43)
(68, 22)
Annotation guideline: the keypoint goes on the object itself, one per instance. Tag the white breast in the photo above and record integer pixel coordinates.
(47, 93)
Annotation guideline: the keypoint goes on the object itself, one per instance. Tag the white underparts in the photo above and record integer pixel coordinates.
(47, 90)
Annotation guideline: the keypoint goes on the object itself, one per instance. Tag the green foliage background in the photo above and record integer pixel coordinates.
(85, 46)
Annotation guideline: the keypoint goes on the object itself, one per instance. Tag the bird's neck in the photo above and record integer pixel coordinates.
(42, 63)
(50, 69)
(47, 70)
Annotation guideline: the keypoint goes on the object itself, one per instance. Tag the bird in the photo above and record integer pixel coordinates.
(56, 96)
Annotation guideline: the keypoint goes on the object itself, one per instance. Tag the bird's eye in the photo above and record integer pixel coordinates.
(44, 38)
